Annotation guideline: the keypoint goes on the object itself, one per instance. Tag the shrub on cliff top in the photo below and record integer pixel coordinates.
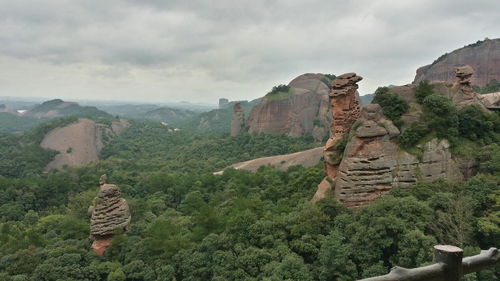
(392, 104)
(423, 90)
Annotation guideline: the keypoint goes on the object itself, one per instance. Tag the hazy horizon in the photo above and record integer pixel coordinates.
(198, 51)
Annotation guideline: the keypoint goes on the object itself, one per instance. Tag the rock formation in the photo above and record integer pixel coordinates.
(345, 110)
(373, 163)
(365, 173)
(483, 57)
(464, 93)
(491, 101)
(363, 160)
(110, 213)
(238, 120)
(80, 143)
(302, 110)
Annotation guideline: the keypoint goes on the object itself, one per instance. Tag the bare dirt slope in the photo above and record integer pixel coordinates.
(306, 158)
(80, 143)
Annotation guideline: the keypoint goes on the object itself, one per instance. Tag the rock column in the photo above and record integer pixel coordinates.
(238, 120)
(345, 107)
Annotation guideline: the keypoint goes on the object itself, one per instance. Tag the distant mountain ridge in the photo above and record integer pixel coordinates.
(59, 108)
(482, 56)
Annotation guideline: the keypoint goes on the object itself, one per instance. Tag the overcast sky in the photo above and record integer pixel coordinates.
(198, 51)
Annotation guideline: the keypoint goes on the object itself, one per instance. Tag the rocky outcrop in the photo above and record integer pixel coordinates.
(299, 111)
(482, 56)
(80, 143)
(108, 214)
(345, 110)
(491, 101)
(306, 158)
(219, 120)
(238, 120)
(373, 163)
(461, 93)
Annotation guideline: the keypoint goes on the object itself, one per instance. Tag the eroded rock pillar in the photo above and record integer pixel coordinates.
(108, 214)
(345, 108)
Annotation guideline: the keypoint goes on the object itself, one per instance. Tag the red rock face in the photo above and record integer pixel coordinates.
(295, 114)
(345, 107)
(99, 246)
(483, 57)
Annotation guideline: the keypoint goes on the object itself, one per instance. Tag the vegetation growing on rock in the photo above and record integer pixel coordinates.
(393, 106)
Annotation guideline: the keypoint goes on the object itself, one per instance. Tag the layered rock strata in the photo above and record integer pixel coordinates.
(109, 214)
(345, 109)
(369, 158)
(238, 120)
(373, 163)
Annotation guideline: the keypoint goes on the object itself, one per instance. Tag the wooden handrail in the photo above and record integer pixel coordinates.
(448, 266)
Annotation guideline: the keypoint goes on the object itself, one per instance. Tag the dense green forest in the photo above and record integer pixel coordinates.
(188, 224)
(12, 123)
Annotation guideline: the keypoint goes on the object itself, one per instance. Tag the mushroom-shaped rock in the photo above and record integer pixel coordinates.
(464, 74)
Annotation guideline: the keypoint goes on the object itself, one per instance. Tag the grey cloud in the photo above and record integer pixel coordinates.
(237, 45)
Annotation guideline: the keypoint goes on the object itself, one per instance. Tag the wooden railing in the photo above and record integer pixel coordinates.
(449, 265)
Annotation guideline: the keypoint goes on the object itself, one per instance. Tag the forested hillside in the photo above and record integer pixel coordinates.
(188, 224)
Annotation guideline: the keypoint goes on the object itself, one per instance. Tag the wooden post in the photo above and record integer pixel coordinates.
(451, 257)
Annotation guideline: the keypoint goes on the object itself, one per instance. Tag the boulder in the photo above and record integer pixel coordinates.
(109, 213)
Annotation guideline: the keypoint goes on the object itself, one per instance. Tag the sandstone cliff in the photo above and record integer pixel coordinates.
(364, 161)
(299, 111)
(80, 143)
(482, 56)
(460, 92)
(345, 110)
(373, 163)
